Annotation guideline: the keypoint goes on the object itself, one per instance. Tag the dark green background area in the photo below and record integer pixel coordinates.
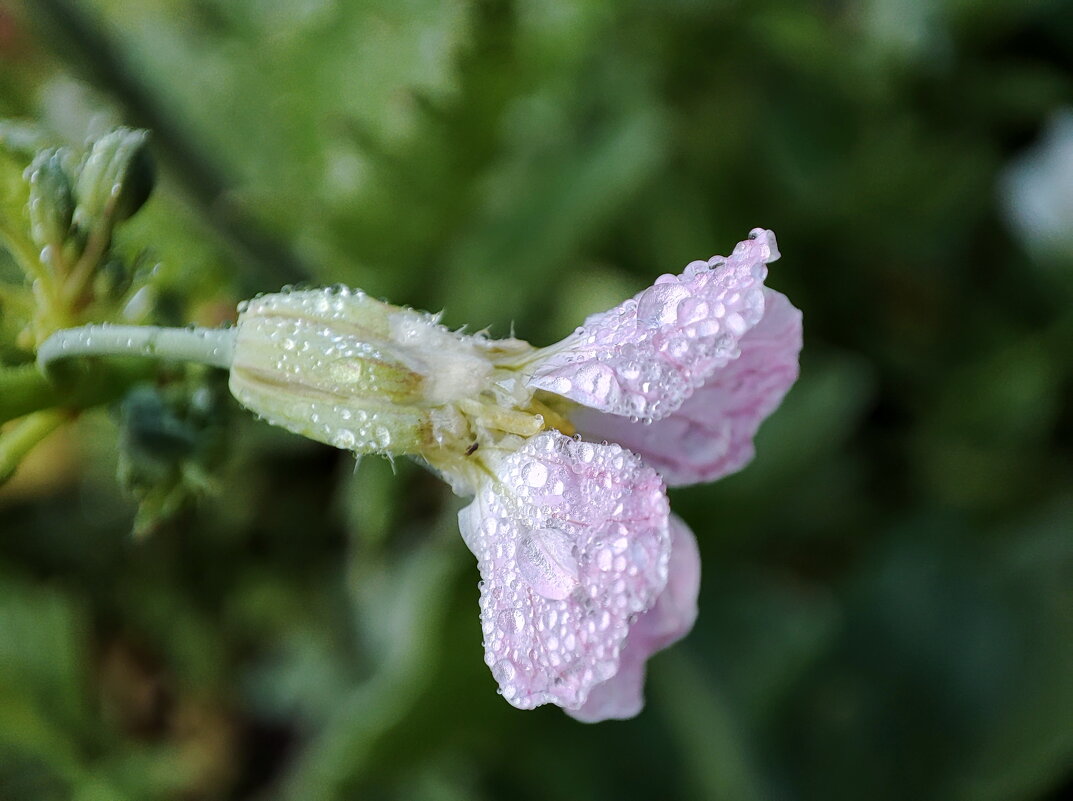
(887, 606)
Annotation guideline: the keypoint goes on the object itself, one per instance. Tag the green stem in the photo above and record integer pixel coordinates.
(17, 441)
(212, 346)
(29, 388)
(24, 389)
(28, 260)
(79, 275)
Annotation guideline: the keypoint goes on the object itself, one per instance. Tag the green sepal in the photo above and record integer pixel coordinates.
(52, 201)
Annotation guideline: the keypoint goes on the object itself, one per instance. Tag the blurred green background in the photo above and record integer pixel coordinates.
(887, 608)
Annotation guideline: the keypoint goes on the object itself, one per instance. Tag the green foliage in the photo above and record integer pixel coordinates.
(172, 440)
(886, 610)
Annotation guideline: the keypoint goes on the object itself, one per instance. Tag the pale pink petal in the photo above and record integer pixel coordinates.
(711, 434)
(622, 696)
(572, 540)
(675, 611)
(646, 356)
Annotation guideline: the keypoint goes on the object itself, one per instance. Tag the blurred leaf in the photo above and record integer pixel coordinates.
(42, 651)
(711, 742)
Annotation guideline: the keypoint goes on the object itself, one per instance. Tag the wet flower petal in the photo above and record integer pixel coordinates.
(572, 540)
(622, 696)
(711, 434)
(646, 356)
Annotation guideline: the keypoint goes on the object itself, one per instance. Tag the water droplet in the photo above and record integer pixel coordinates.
(344, 438)
(512, 621)
(595, 380)
(546, 561)
(504, 672)
(659, 303)
(534, 474)
(562, 385)
(735, 323)
(604, 560)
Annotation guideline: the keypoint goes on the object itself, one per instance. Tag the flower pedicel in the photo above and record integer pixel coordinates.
(566, 450)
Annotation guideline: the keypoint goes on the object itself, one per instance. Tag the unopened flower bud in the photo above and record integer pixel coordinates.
(116, 179)
(342, 368)
(51, 201)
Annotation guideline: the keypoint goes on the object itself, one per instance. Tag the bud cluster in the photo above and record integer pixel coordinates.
(74, 203)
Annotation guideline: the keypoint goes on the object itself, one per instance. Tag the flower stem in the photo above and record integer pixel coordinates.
(18, 440)
(212, 346)
(23, 389)
(25, 256)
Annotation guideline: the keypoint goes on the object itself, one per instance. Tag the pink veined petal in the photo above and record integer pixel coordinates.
(622, 696)
(672, 618)
(572, 540)
(711, 434)
(646, 356)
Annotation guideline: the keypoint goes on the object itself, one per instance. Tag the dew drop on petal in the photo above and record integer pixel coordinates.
(534, 474)
(659, 303)
(604, 559)
(595, 380)
(504, 671)
(547, 562)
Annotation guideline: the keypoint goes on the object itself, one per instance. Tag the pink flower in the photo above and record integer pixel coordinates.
(585, 574)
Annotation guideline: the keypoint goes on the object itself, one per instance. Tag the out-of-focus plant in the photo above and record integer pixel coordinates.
(59, 222)
(59, 218)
